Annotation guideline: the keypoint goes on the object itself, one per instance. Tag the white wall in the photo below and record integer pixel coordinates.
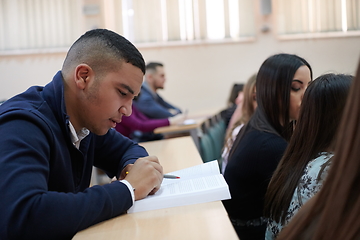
(22, 71)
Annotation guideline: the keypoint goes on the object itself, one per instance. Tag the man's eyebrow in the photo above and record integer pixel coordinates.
(127, 87)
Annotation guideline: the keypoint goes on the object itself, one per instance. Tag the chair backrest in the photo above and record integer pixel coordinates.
(207, 148)
(217, 135)
(212, 139)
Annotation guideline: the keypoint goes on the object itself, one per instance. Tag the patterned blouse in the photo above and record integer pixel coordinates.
(310, 183)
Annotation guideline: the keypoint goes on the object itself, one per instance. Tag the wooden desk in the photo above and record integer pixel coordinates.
(176, 128)
(174, 153)
(192, 129)
(199, 221)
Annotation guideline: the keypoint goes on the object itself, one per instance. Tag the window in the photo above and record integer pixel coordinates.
(186, 20)
(34, 24)
(50, 24)
(215, 19)
(317, 16)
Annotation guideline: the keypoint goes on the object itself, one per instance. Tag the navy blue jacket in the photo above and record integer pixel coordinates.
(44, 178)
(153, 106)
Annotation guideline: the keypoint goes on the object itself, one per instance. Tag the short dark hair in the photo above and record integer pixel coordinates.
(98, 47)
(236, 88)
(153, 65)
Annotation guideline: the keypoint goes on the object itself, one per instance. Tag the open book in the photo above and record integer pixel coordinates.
(198, 184)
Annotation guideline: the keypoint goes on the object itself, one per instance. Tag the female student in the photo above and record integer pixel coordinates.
(241, 116)
(235, 98)
(280, 85)
(303, 168)
(333, 213)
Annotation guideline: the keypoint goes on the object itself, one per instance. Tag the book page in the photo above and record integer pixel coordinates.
(205, 169)
(191, 188)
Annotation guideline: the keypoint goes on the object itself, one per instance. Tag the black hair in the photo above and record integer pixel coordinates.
(236, 88)
(97, 46)
(319, 118)
(153, 65)
(273, 86)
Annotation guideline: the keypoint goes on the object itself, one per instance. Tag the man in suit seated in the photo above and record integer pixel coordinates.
(149, 102)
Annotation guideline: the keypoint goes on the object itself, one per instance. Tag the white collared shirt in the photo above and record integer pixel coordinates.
(77, 137)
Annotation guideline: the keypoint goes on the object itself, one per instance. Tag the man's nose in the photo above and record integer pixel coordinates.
(126, 109)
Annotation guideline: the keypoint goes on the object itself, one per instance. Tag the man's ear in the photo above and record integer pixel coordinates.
(150, 77)
(83, 75)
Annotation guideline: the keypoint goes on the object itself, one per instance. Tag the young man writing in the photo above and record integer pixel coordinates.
(52, 136)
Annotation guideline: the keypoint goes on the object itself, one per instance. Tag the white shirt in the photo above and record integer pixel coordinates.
(77, 137)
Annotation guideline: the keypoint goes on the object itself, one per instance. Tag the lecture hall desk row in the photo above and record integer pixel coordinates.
(192, 128)
(199, 221)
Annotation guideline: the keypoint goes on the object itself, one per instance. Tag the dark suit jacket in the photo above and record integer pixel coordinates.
(152, 105)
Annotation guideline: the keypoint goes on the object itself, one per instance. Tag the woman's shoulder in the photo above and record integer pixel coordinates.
(262, 145)
(312, 179)
(259, 143)
(267, 140)
(263, 135)
(320, 159)
(318, 167)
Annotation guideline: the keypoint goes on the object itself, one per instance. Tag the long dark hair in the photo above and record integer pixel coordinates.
(333, 213)
(320, 114)
(273, 85)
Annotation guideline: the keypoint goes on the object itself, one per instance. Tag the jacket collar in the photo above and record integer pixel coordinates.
(53, 94)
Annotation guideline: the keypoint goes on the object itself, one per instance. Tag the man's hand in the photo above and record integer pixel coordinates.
(177, 119)
(145, 175)
(173, 111)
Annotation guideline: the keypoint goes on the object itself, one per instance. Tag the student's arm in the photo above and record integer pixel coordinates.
(143, 124)
(114, 152)
(151, 108)
(169, 106)
(44, 182)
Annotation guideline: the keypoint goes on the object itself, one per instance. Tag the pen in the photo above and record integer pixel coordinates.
(165, 176)
(170, 176)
